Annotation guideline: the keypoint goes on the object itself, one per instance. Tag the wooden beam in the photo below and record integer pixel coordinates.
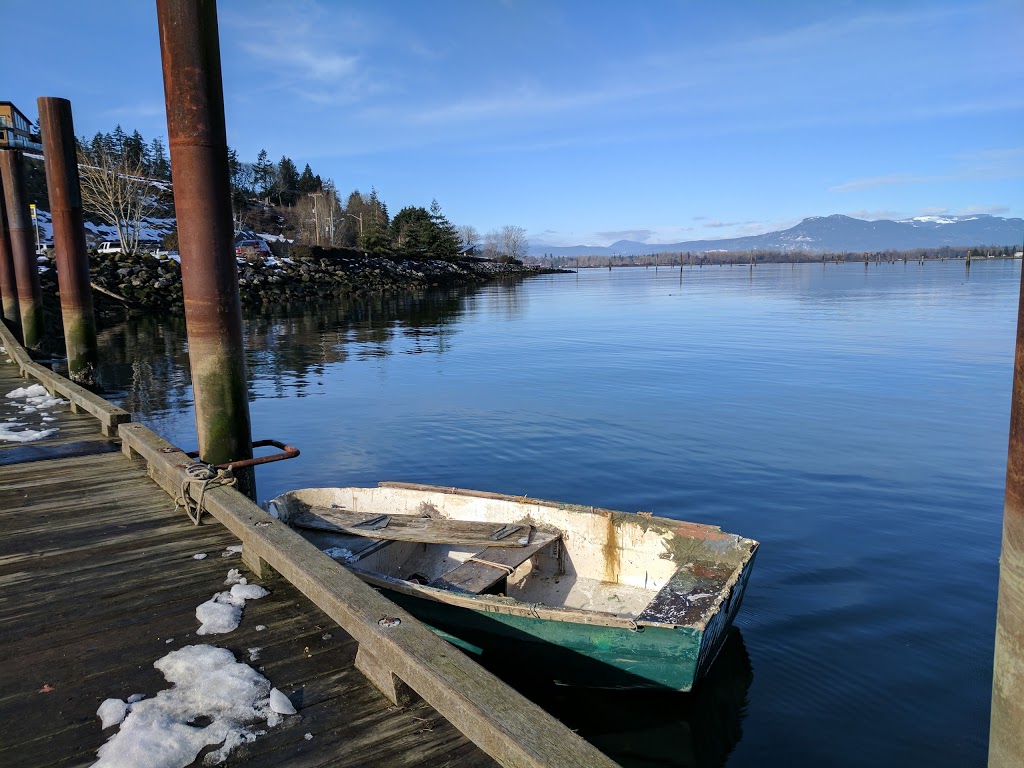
(81, 399)
(506, 725)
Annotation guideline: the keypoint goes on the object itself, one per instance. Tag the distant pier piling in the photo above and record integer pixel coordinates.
(23, 247)
(1006, 734)
(8, 282)
(62, 183)
(194, 94)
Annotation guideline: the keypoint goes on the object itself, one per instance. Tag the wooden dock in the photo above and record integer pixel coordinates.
(99, 579)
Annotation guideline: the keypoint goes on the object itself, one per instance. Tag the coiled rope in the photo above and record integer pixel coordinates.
(204, 476)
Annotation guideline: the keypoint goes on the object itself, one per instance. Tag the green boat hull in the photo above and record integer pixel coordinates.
(578, 654)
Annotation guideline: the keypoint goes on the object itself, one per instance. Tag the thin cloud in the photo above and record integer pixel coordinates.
(995, 210)
(723, 224)
(872, 182)
(641, 235)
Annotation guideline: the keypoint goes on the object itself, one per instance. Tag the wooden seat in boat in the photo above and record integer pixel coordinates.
(493, 564)
(412, 528)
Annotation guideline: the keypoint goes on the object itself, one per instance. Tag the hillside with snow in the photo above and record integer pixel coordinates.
(832, 234)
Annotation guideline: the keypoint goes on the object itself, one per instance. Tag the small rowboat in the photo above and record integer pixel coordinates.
(585, 596)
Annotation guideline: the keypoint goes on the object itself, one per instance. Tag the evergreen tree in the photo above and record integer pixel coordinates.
(445, 241)
(159, 165)
(287, 182)
(308, 182)
(117, 140)
(354, 210)
(374, 236)
(134, 150)
(264, 173)
(412, 231)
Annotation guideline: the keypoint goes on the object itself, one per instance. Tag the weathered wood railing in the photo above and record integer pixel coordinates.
(398, 657)
(81, 399)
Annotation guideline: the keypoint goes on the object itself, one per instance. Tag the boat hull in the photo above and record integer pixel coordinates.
(580, 654)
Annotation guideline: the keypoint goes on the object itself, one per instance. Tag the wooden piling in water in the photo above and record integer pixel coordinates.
(62, 183)
(8, 283)
(23, 251)
(1006, 733)
(193, 89)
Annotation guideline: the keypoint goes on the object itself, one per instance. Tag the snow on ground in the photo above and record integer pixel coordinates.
(223, 611)
(19, 416)
(213, 700)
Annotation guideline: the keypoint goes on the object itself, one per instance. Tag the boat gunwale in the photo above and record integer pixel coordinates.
(512, 606)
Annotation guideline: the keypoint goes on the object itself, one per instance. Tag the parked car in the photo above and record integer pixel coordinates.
(108, 247)
(250, 248)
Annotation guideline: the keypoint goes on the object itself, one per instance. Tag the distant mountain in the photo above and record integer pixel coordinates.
(832, 234)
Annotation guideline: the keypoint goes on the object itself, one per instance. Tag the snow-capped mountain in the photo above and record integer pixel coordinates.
(833, 234)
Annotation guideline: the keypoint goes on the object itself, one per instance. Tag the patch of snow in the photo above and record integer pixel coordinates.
(339, 553)
(111, 712)
(223, 612)
(22, 436)
(308, 737)
(207, 682)
(281, 703)
(234, 577)
(254, 654)
(260, 627)
(234, 549)
(200, 556)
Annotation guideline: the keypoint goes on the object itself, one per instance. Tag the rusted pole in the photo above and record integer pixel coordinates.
(190, 51)
(1006, 733)
(60, 155)
(23, 251)
(8, 283)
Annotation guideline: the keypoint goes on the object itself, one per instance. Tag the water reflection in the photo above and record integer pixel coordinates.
(288, 346)
(644, 729)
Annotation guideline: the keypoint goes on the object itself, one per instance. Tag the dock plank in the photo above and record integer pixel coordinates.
(98, 581)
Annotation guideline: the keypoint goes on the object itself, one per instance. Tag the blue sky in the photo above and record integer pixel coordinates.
(585, 122)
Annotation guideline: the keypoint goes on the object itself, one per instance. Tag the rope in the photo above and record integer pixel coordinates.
(204, 476)
(507, 568)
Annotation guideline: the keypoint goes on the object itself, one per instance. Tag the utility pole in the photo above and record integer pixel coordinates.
(316, 213)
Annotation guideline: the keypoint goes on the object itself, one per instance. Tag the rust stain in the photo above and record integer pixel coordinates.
(612, 553)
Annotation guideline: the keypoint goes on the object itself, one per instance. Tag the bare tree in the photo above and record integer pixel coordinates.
(119, 191)
(469, 235)
(512, 242)
(492, 244)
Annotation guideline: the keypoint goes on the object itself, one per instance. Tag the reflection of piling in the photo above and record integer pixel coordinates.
(1006, 735)
(62, 184)
(23, 245)
(8, 283)
(193, 89)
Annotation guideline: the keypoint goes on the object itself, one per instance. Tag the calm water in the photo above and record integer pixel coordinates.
(854, 420)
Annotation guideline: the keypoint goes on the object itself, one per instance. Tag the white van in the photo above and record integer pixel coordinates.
(109, 247)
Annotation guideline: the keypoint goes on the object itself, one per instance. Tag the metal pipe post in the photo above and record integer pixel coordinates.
(19, 228)
(190, 52)
(8, 283)
(60, 154)
(1006, 732)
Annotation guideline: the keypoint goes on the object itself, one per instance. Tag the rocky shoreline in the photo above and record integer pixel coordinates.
(143, 282)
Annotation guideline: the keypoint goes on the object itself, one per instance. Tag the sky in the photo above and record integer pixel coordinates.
(585, 122)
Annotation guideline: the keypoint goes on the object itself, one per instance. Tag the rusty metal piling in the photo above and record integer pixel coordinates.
(60, 154)
(23, 247)
(193, 90)
(8, 283)
(1006, 733)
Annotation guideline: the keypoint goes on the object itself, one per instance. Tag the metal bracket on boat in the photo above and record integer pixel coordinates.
(287, 452)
